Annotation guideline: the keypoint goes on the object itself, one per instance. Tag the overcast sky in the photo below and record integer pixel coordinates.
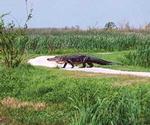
(85, 13)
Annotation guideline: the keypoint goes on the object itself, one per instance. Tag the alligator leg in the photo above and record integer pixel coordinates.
(90, 65)
(64, 65)
(71, 63)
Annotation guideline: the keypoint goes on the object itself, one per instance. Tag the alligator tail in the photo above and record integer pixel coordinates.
(102, 61)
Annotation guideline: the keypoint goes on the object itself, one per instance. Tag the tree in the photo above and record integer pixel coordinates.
(147, 26)
(110, 26)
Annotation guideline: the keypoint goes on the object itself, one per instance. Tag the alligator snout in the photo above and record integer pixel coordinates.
(48, 59)
(51, 59)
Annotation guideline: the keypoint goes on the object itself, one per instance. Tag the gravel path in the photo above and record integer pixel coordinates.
(42, 61)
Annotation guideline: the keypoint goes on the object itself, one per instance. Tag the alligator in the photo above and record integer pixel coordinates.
(79, 59)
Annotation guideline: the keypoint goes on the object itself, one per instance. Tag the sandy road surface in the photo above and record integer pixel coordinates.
(42, 61)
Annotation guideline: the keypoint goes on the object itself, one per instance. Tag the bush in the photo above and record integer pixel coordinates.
(12, 44)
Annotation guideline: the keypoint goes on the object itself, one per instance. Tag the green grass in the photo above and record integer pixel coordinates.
(76, 98)
(141, 56)
(51, 86)
(60, 42)
(120, 57)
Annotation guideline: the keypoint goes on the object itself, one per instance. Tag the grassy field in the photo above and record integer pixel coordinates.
(42, 96)
(57, 99)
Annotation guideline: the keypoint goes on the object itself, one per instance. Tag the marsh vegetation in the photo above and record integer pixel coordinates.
(41, 96)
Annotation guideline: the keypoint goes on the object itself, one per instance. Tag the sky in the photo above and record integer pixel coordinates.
(84, 13)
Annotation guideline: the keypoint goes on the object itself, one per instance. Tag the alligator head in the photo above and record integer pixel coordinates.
(57, 59)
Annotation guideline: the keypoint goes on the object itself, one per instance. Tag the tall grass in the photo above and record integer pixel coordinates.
(140, 57)
(85, 41)
(122, 107)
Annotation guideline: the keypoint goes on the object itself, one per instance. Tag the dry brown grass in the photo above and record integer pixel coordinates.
(15, 103)
(4, 120)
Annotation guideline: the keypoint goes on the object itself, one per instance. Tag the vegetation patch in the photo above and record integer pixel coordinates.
(141, 56)
(14, 103)
(76, 98)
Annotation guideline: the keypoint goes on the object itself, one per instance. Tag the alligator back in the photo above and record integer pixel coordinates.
(99, 61)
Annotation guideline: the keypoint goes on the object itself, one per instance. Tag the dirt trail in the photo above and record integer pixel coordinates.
(42, 61)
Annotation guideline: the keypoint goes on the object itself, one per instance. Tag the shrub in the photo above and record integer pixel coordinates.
(12, 43)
